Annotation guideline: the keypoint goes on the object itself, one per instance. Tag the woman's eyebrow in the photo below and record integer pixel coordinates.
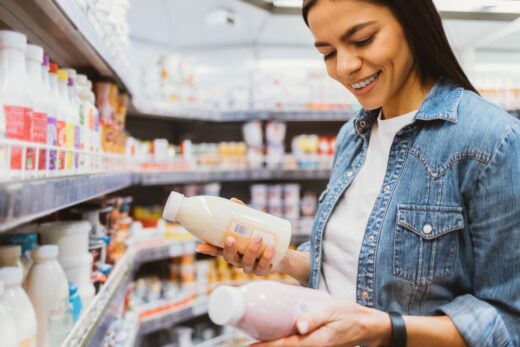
(348, 33)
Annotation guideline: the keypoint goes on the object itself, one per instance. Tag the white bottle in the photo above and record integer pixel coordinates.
(17, 303)
(47, 287)
(34, 57)
(64, 129)
(212, 219)
(13, 92)
(53, 133)
(9, 333)
(4, 160)
(74, 119)
(10, 256)
(84, 117)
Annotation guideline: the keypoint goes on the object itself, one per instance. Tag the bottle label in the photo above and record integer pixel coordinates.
(18, 124)
(244, 234)
(39, 135)
(77, 144)
(52, 139)
(70, 145)
(61, 126)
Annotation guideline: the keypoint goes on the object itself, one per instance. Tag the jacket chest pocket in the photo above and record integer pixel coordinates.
(425, 242)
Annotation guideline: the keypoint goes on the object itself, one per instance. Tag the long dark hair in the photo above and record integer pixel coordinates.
(425, 34)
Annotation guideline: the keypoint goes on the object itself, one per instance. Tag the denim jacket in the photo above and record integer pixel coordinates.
(444, 233)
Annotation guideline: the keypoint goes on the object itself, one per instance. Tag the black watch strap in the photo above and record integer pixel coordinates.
(398, 338)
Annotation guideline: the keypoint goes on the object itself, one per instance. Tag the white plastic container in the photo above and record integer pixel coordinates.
(51, 306)
(17, 303)
(79, 270)
(52, 126)
(9, 333)
(212, 219)
(66, 118)
(70, 237)
(265, 310)
(13, 92)
(11, 256)
(4, 160)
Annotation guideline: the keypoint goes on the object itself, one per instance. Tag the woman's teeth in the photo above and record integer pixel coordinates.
(366, 82)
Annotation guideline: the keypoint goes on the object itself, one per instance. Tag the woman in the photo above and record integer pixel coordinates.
(421, 217)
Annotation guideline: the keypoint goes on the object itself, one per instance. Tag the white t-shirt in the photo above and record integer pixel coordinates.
(345, 230)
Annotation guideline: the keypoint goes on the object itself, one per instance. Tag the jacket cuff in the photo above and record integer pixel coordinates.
(478, 322)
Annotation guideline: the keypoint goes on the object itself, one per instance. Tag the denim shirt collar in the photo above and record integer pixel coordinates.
(440, 104)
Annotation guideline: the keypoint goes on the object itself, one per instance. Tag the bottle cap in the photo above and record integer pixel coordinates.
(173, 206)
(45, 252)
(11, 275)
(10, 251)
(13, 39)
(63, 75)
(72, 73)
(226, 305)
(1, 289)
(54, 68)
(34, 53)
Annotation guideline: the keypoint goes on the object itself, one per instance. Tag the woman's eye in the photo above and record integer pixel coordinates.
(364, 42)
(329, 55)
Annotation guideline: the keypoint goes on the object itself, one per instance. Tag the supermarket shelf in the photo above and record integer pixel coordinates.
(97, 317)
(164, 111)
(177, 314)
(61, 28)
(159, 178)
(23, 201)
(161, 249)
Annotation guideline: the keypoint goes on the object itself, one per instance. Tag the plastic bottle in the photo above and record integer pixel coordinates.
(63, 122)
(83, 119)
(9, 333)
(74, 121)
(52, 130)
(212, 219)
(34, 57)
(11, 256)
(75, 301)
(266, 310)
(13, 92)
(96, 133)
(4, 160)
(17, 303)
(51, 306)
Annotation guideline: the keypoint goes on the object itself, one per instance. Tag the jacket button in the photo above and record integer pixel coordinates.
(349, 173)
(362, 124)
(371, 238)
(364, 295)
(427, 229)
(387, 189)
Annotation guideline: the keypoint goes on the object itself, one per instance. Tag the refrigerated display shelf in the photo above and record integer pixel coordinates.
(147, 109)
(23, 201)
(180, 177)
(62, 29)
(97, 317)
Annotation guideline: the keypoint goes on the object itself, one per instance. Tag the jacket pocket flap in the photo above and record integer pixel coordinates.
(430, 222)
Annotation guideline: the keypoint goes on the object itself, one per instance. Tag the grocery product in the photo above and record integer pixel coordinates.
(38, 133)
(66, 127)
(9, 332)
(53, 314)
(213, 219)
(266, 310)
(51, 71)
(13, 92)
(75, 301)
(10, 256)
(17, 303)
(4, 160)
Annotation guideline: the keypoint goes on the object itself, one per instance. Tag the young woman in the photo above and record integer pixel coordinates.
(417, 233)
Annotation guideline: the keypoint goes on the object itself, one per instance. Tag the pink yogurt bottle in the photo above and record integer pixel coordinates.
(265, 310)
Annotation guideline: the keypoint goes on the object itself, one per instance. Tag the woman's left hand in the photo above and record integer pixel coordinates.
(339, 324)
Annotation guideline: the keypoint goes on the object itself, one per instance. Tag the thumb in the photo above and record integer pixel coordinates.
(309, 322)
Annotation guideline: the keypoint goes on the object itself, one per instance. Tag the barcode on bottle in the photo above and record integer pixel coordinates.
(240, 229)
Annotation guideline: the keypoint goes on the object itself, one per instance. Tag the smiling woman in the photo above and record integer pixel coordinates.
(416, 235)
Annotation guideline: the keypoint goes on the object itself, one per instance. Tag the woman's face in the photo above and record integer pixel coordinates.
(364, 49)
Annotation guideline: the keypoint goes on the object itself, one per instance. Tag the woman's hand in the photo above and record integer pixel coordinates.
(254, 261)
(339, 324)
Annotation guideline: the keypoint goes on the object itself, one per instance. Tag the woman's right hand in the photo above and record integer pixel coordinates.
(254, 261)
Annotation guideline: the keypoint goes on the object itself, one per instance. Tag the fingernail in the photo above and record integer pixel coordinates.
(229, 241)
(257, 239)
(303, 326)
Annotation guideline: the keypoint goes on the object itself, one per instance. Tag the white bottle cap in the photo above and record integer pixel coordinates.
(11, 275)
(72, 73)
(13, 39)
(45, 252)
(10, 251)
(173, 206)
(34, 53)
(226, 305)
(1, 289)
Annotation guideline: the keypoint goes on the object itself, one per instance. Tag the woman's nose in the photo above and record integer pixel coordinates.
(346, 64)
